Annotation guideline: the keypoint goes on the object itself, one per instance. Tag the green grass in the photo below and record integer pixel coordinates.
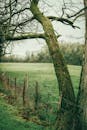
(48, 88)
(43, 73)
(9, 119)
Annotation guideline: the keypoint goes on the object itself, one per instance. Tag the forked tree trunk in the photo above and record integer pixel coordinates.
(82, 94)
(65, 118)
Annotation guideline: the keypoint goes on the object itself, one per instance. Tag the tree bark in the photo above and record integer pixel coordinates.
(65, 117)
(82, 94)
(1, 43)
(25, 36)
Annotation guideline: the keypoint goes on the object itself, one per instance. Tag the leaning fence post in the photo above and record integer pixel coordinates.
(27, 88)
(15, 85)
(24, 92)
(27, 82)
(36, 95)
(7, 82)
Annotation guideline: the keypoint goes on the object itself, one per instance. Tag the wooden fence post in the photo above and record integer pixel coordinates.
(36, 95)
(24, 93)
(15, 85)
(27, 82)
(27, 88)
(8, 81)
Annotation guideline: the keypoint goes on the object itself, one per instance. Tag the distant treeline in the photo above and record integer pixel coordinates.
(72, 53)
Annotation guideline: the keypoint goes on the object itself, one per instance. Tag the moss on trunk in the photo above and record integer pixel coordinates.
(82, 94)
(65, 85)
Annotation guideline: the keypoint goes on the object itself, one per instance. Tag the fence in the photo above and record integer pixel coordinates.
(20, 95)
(20, 92)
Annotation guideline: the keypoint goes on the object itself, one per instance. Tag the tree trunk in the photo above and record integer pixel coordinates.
(82, 94)
(1, 43)
(65, 119)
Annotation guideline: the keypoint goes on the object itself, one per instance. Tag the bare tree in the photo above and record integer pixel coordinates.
(82, 94)
(15, 22)
(81, 110)
(12, 20)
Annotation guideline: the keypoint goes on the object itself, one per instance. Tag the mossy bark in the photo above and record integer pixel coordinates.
(82, 94)
(65, 118)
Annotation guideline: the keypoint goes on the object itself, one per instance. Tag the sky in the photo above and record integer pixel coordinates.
(68, 34)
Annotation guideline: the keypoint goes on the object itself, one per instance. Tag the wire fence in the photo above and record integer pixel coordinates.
(24, 95)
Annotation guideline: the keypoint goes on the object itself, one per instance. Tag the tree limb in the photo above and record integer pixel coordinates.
(77, 12)
(26, 36)
(63, 20)
(17, 12)
(23, 22)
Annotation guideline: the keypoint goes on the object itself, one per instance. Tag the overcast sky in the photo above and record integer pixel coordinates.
(68, 34)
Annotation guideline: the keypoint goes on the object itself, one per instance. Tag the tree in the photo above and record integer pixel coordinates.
(82, 94)
(66, 117)
(63, 77)
(27, 57)
(12, 20)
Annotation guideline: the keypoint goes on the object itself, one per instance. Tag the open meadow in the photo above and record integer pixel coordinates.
(44, 74)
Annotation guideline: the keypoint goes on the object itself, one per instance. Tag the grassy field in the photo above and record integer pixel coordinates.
(42, 72)
(48, 88)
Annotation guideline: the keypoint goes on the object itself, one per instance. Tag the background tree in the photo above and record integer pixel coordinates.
(27, 57)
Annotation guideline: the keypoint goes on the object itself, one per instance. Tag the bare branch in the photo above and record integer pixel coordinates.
(23, 22)
(63, 20)
(17, 12)
(78, 16)
(26, 36)
(77, 12)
